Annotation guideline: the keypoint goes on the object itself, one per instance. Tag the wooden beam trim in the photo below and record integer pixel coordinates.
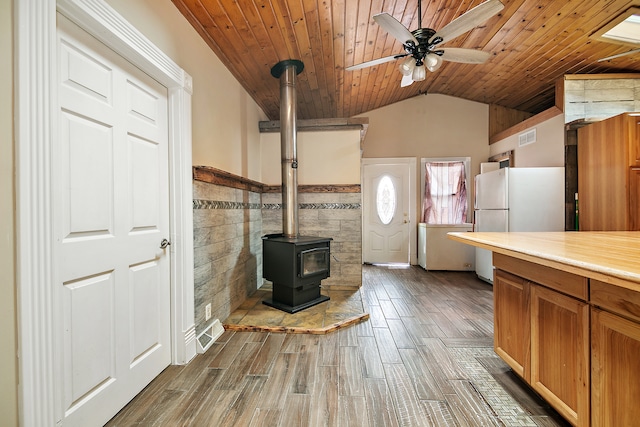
(318, 124)
(215, 176)
(225, 179)
(522, 126)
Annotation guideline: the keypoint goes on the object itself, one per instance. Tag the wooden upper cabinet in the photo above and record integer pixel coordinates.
(607, 152)
(634, 198)
(634, 139)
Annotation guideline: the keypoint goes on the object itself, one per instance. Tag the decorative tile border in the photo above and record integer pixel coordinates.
(214, 204)
(330, 206)
(322, 189)
(276, 206)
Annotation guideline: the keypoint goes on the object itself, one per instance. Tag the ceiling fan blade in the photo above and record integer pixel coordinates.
(406, 81)
(374, 62)
(468, 20)
(394, 27)
(466, 56)
(619, 55)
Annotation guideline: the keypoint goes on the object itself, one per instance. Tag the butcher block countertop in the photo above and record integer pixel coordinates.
(609, 256)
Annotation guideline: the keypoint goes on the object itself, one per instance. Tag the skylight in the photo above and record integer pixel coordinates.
(625, 29)
(628, 31)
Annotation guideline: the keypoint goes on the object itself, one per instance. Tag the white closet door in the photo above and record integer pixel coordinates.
(111, 211)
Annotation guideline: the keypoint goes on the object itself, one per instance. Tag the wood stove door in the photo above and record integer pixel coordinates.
(386, 225)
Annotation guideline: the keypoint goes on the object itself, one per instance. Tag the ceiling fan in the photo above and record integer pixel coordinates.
(421, 45)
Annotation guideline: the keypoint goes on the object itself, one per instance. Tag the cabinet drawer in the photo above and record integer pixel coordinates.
(615, 299)
(561, 281)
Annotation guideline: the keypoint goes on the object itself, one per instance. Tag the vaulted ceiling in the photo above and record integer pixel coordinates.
(533, 43)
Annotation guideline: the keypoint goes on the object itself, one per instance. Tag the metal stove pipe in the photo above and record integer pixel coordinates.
(286, 71)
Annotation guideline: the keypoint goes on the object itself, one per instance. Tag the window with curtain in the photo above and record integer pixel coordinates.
(445, 193)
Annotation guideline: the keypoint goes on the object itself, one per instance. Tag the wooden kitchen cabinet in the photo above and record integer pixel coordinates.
(608, 162)
(616, 370)
(511, 329)
(615, 355)
(560, 352)
(541, 330)
(584, 302)
(634, 198)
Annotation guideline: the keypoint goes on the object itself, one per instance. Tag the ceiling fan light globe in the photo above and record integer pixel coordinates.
(433, 62)
(419, 73)
(406, 67)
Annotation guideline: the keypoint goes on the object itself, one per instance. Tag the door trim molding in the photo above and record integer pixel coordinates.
(35, 117)
(411, 163)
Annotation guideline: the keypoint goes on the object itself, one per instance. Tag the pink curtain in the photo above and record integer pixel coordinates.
(445, 193)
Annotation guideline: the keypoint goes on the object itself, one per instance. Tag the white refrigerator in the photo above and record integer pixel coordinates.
(517, 199)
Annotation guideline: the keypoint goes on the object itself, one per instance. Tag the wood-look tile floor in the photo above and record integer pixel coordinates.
(424, 358)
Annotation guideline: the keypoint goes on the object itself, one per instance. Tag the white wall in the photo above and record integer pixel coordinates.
(324, 157)
(548, 150)
(8, 362)
(430, 126)
(225, 118)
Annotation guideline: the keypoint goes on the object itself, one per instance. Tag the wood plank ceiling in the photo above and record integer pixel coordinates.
(533, 43)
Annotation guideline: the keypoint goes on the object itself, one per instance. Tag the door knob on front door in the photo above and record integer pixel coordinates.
(164, 243)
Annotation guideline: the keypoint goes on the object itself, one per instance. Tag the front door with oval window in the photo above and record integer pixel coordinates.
(386, 213)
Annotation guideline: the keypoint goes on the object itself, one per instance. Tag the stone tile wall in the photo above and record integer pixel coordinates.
(227, 249)
(597, 99)
(230, 216)
(326, 214)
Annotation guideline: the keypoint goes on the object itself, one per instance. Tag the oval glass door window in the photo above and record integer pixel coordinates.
(386, 200)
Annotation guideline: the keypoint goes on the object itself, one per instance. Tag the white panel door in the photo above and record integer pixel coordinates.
(111, 211)
(386, 222)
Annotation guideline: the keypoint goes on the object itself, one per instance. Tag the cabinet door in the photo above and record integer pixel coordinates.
(615, 380)
(560, 352)
(634, 199)
(603, 164)
(634, 141)
(511, 329)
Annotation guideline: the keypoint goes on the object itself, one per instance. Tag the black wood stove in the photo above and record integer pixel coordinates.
(295, 266)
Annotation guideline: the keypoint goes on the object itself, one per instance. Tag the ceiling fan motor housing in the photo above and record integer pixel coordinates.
(424, 47)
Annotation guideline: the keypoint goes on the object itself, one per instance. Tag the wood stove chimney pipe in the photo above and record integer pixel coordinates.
(287, 71)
